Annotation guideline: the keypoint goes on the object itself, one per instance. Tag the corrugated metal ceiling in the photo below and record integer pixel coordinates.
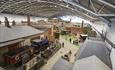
(90, 9)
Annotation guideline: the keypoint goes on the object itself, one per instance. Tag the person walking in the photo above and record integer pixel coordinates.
(62, 44)
(70, 40)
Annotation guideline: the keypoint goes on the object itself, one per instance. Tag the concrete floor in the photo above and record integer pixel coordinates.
(68, 46)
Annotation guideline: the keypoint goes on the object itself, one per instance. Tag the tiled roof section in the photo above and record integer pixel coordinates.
(15, 32)
(62, 64)
(98, 48)
(90, 63)
(76, 30)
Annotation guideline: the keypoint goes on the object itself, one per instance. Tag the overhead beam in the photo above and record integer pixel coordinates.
(71, 8)
(93, 6)
(80, 7)
(57, 15)
(22, 8)
(104, 2)
(9, 4)
(88, 4)
(89, 10)
(110, 15)
(101, 9)
(83, 8)
(67, 8)
(79, 1)
(16, 7)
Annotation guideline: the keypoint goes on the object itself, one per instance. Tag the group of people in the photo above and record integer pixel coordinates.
(60, 43)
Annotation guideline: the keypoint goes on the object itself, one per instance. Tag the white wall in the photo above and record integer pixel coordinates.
(110, 35)
(112, 55)
(111, 32)
(100, 25)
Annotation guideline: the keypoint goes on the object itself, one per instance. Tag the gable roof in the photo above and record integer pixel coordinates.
(95, 47)
(16, 32)
(62, 64)
(90, 63)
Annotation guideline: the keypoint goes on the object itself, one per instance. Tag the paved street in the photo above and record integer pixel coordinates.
(68, 46)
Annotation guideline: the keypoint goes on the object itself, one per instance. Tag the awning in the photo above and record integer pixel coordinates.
(10, 42)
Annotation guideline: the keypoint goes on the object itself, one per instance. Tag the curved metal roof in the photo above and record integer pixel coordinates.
(90, 9)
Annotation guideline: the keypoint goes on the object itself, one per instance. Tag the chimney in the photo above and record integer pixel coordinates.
(7, 22)
(13, 23)
(28, 20)
(82, 24)
(0, 22)
(70, 21)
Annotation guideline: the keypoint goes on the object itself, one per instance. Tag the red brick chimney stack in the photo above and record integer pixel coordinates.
(28, 20)
(82, 24)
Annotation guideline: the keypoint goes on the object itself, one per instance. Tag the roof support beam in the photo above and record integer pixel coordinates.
(99, 15)
(104, 2)
(111, 15)
(88, 4)
(25, 8)
(101, 9)
(93, 6)
(79, 6)
(22, 9)
(66, 7)
(9, 4)
(79, 1)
